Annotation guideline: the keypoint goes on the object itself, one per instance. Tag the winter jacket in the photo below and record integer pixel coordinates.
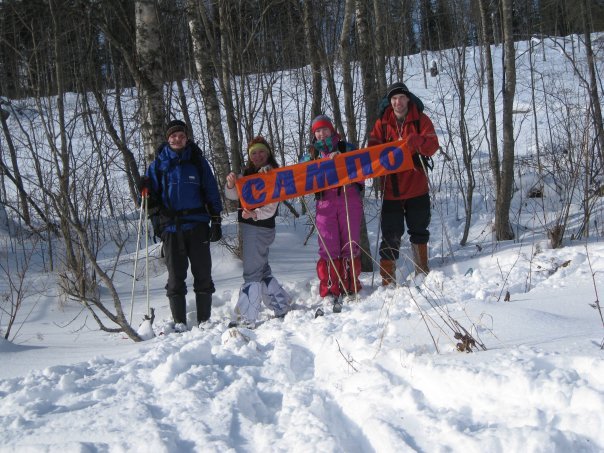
(183, 188)
(410, 183)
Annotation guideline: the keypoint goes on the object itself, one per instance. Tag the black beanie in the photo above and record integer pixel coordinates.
(397, 88)
(176, 126)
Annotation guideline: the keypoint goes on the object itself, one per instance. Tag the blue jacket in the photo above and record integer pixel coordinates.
(180, 190)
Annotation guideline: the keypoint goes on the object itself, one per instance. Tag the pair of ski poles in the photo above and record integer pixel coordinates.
(144, 207)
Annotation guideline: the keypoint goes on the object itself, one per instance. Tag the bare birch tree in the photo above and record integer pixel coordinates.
(347, 84)
(149, 77)
(368, 69)
(205, 74)
(492, 117)
(313, 55)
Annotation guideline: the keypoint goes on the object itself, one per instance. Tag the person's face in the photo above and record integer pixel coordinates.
(400, 105)
(259, 157)
(177, 140)
(322, 133)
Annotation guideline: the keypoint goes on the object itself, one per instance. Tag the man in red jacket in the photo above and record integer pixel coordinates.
(406, 197)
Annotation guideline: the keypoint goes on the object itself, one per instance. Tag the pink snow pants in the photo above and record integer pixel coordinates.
(332, 222)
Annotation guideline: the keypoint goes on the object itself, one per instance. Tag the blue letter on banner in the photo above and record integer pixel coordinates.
(324, 173)
(285, 180)
(365, 163)
(247, 191)
(397, 157)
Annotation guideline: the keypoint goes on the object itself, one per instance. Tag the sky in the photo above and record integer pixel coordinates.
(384, 375)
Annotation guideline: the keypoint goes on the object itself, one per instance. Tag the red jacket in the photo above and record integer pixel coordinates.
(410, 183)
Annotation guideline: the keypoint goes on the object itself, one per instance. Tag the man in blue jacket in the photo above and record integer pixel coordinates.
(183, 197)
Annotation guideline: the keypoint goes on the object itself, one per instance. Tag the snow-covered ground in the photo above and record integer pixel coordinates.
(368, 379)
(385, 375)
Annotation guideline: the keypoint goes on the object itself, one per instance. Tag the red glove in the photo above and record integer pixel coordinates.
(415, 141)
(144, 186)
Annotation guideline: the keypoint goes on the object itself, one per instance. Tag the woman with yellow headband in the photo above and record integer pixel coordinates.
(257, 228)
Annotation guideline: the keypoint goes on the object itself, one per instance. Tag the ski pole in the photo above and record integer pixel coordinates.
(377, 240)
(147, 254)
(138, 239)
(354, 278)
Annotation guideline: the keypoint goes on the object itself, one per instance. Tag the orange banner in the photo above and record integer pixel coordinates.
(316, 175)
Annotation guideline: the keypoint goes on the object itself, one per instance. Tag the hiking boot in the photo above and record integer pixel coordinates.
(178, 307)
(388, 272)
(281, 316)
(420, 259)
(337, 306)
(203, 303)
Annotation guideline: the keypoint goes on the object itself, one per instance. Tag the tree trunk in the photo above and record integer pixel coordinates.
(503, 229)
(203, 64)
(224, 68)
(61, 153)
(333, 92)
(380, 53)
(465, 143)
(130, 166)
(182, 101)
(149, 78)
(23, 201)
(367, 67)
(593, 81)
(313, 55)
(488, 59)
(348, 87)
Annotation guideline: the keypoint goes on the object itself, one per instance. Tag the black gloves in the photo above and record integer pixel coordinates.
(216, 228)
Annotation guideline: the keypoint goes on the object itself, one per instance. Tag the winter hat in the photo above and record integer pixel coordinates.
(259, 143)
(397, 88)
(176, 126)
(322, 121)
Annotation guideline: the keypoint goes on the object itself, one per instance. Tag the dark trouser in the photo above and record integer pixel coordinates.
(415, 213)
(188, 246)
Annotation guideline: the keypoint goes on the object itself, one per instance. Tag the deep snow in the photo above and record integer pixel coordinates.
(368, 379)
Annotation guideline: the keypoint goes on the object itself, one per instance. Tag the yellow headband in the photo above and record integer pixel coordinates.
(259, 146)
